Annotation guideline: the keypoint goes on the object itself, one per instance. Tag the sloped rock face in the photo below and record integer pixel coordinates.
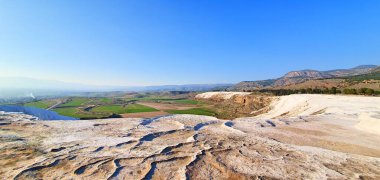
(220, 96)
(237, 104)
(173, 147)
(251, 103)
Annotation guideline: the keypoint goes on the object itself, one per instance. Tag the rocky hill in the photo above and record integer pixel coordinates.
(307, 74)
(363, 69)
(296, 77)
(230, 105)
(376, 70)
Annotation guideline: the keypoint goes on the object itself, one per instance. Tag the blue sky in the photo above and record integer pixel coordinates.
(155, 42)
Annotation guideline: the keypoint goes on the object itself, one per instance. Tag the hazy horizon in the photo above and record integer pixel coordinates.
(29, 80)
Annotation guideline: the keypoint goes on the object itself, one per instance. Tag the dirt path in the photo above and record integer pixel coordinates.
(56, 104)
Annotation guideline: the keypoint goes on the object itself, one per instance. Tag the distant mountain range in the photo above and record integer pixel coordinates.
(28, 87)
(20, 87)
(296, 77)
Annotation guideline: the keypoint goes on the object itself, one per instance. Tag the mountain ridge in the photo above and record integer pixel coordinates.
(295, 77)
(23, 87)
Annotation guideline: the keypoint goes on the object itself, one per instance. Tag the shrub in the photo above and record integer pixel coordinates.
(349, 91)
(317, 91)
(333, 90)
(369, 91)
(362, 90)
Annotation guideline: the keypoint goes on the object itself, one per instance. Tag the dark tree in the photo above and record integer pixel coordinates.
(362, 90)
(349, 91)
(369, 91)
(333, 90)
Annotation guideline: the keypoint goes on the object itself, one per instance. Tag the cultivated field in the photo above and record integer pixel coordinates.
(137, 105)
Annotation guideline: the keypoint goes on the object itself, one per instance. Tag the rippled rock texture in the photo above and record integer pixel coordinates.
(171, 147)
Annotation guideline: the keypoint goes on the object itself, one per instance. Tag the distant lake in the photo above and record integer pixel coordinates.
(42, 114)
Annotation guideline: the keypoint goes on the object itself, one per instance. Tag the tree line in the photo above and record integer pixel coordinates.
(333, 90)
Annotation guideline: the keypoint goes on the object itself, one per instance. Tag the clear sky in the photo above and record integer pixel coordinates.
(155, 42)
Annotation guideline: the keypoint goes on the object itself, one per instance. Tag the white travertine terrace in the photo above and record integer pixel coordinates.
(301, 137)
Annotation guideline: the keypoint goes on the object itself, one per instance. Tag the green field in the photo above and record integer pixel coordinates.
(38, 104)
(74, 112)
(74, 102)
(197, 111)
(106, 100)
(134, 108)
(68, 111)
(149, 99)
(104, 108)
(103, 111)
(119, 109)
(185, 101)
(163, 99)
(107, 107)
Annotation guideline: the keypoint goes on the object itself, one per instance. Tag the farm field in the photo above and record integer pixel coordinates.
(38, 104)
(75, 102)
(137, 105)
(163, 100)
(120, 109)
(69, 111)
(43, 104)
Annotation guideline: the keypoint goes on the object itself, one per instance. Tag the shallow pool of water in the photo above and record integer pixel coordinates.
(42, 114)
